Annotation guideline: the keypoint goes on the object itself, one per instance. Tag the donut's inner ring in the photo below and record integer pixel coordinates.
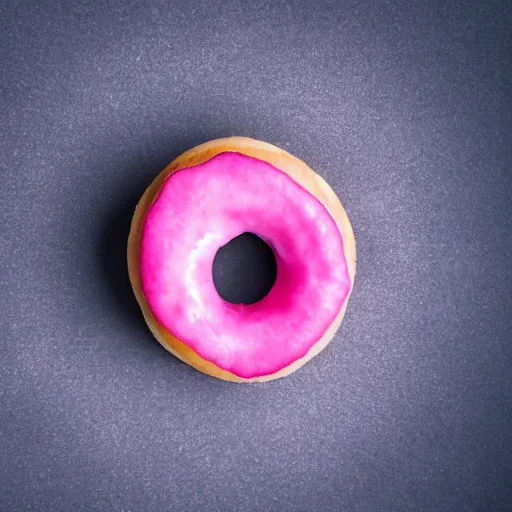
(244, 270)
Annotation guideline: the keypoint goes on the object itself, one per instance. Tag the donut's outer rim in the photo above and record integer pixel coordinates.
(299, 172)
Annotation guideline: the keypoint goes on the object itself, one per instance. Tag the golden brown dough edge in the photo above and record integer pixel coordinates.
(299, 172)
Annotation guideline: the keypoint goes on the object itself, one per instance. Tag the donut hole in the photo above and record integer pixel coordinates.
(244, 270)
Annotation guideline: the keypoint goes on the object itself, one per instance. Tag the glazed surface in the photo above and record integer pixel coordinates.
(200, 209)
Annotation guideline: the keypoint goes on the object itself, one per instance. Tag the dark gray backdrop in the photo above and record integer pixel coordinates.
(405, 109)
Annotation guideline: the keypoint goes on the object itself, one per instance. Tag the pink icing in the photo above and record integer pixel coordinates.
(200, 209)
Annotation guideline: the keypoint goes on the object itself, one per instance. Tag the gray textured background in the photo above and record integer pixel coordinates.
(405, 109)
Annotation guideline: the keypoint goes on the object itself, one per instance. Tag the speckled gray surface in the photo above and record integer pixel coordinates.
(406, 110)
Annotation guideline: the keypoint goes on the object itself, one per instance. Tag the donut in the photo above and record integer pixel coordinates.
(208, 196)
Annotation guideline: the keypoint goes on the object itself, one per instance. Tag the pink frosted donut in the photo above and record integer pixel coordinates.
(205, 199)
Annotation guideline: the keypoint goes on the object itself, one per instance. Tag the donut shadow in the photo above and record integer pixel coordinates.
(112, 258)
